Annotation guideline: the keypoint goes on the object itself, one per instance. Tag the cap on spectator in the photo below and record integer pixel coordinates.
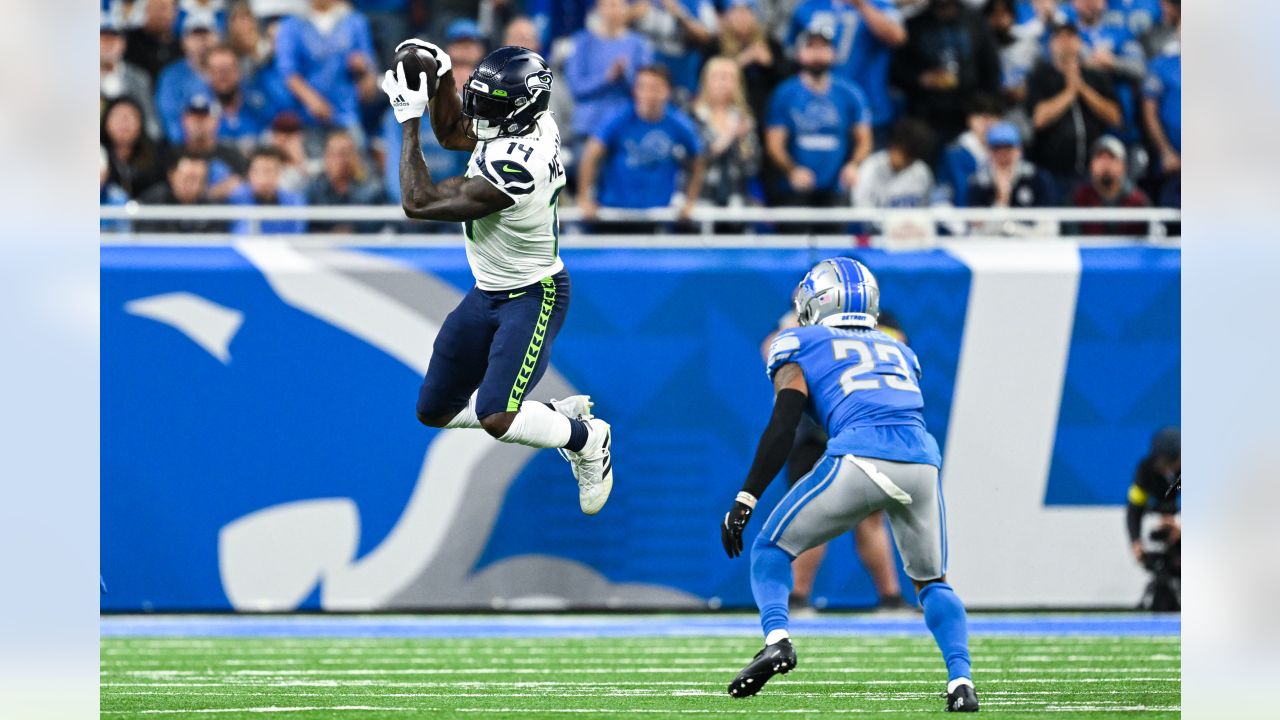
(199, 20)
(1108, 144)
(287, 122)
(463, 29)
(1061, 22)
(752, 5)
(1004, 134)
(817, 29)
(201, 104)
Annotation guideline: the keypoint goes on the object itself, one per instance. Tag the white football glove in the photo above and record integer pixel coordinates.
(442, 57)
(407, 104)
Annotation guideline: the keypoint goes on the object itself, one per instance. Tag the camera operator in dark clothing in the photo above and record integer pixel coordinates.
(1155, 526)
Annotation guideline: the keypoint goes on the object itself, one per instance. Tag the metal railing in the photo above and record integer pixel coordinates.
(762, 226)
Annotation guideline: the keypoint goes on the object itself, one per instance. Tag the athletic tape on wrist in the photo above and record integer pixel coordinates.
(747, 499)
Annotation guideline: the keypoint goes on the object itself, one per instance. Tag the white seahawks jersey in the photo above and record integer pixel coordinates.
(519, 245)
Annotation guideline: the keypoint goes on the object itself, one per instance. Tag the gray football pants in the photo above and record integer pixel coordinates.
(840, 491)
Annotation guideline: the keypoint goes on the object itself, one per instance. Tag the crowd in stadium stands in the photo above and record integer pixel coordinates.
(661, 103)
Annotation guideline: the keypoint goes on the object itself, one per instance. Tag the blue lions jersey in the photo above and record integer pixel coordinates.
(863, 389)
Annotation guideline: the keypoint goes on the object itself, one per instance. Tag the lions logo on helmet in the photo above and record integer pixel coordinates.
(839, 292)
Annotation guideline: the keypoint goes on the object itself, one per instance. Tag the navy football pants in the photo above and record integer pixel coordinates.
(498, 343)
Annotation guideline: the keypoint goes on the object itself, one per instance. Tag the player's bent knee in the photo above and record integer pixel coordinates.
(437, 419)
(497, 424)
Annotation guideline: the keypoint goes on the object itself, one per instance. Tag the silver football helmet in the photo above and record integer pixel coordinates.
(838, 291)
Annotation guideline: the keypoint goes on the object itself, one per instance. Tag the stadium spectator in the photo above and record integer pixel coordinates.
(263, 188)
(1108, 186)
(110, 194)
(154, 45)
(864, 58)
(898, 176)
(1139, 17)
(1111, 50)
(762, 59)
(729, 132)
(1070, 107)
(948, 57)
(602, 66)
(521, 32)
(325, 57)
(1019, 48)
(1162, 112)
(118, 77)
(286, 137)
(819, 127)
(388, 25)
(200, 122)
(1008, 180)
(344, 181)
(465, 43)
(1169, 30)
(185, 184)
(638, 155)
(678, 29)
(182, 79)
(244, 113)
(134, 160)
(1153, 520)
(969, 152)
(251, 46)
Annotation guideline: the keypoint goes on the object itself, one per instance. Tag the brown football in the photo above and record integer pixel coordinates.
(416, 61)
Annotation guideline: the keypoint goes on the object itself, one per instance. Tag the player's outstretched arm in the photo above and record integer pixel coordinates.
(447, 121)
(456, 199)
(771, 453)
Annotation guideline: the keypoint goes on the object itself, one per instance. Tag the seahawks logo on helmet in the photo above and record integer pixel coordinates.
(538, 81)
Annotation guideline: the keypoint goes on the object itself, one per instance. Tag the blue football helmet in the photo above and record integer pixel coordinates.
(840, 292)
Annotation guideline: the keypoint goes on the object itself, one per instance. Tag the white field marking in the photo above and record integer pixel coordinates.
(614, 644)
(640, 692)
(606, 712)
(272, 709)
(854, 646)
(986, 682)
(590, 671)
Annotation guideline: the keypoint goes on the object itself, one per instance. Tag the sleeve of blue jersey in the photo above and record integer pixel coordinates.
(784, 349)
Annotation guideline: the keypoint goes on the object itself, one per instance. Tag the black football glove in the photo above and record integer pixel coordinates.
(735, 521)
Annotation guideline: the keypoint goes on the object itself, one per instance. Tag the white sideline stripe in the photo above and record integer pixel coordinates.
(621, 692)
(986, 682)
(269, 709)
(577, 670)
(575, 662)
(606, 712)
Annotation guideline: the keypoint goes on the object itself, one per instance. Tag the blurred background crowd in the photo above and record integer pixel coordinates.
(661, 103)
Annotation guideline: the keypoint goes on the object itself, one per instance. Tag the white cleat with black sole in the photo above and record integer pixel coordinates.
(593, 466)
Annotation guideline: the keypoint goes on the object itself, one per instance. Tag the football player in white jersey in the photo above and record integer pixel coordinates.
(496, 344)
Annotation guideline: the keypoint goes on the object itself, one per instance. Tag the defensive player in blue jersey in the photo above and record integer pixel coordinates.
(863, 387)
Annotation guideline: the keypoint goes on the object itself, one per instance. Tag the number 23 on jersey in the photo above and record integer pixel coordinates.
(864, 374)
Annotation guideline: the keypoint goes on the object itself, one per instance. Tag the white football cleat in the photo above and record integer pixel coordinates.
(593, 467)
(574, 407)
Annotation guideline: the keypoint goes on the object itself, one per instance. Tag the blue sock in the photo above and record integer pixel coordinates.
(770, 584)
(945, 616)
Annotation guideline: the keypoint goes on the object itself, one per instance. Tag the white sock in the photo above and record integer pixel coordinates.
(537, 425)
(466, 418)
(951, 686)
(776, 635)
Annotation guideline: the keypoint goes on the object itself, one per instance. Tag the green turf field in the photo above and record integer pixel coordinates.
(1017, 677)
